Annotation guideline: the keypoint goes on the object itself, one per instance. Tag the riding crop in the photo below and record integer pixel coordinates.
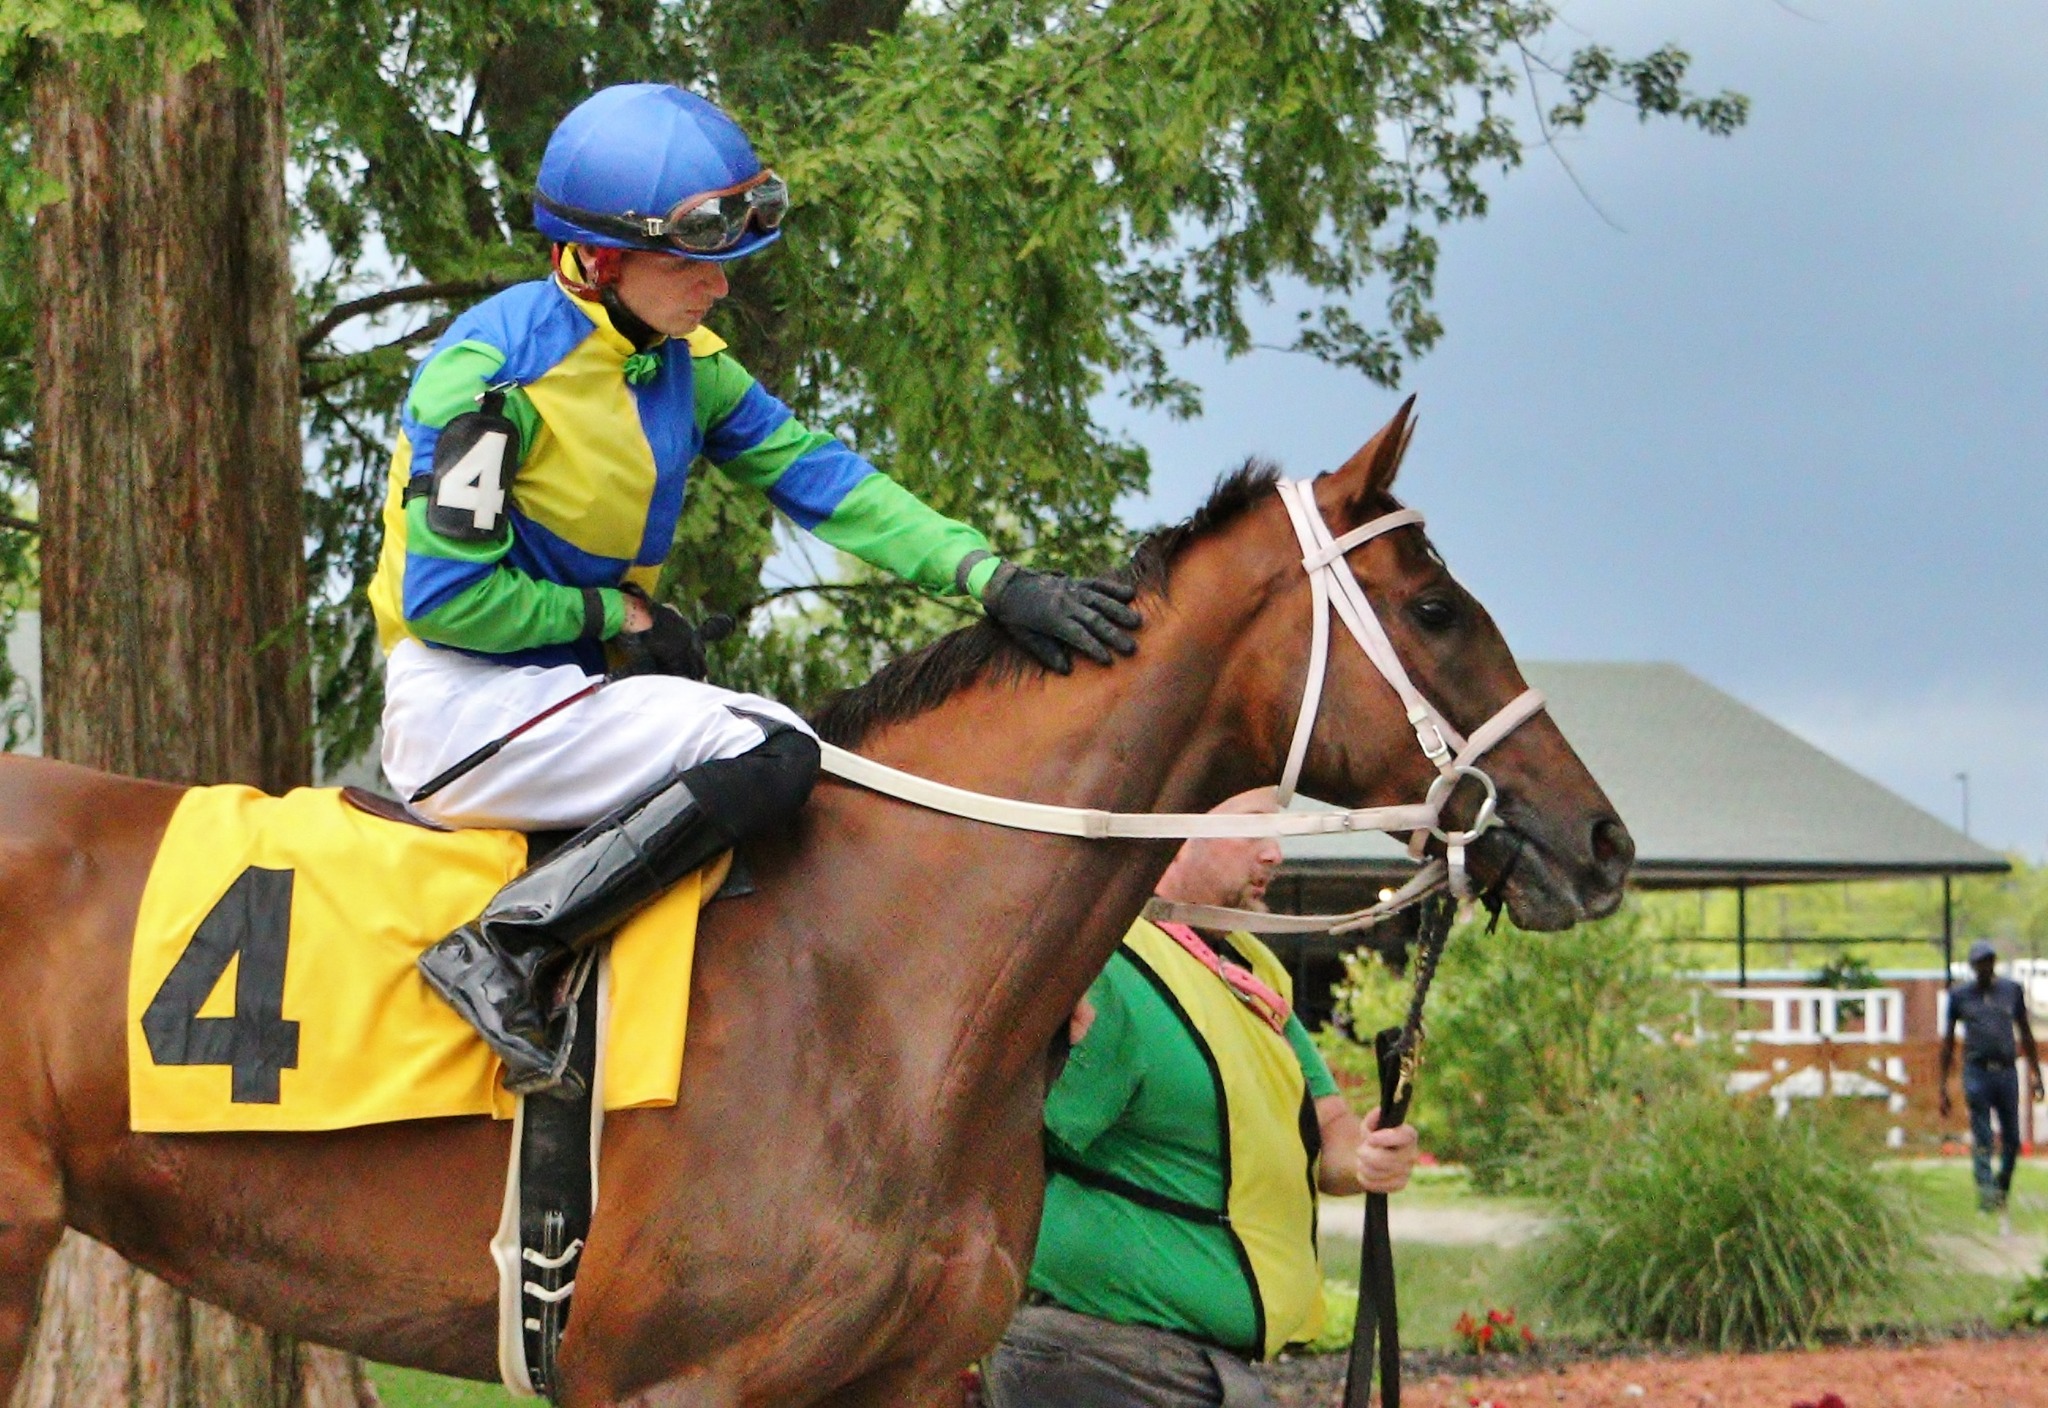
(469, 764)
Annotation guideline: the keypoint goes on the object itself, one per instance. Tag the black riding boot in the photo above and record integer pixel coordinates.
(495, 970)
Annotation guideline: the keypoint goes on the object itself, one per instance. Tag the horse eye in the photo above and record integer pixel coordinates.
(1434, 613)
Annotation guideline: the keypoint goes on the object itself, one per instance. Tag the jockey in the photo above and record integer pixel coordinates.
(533, 498)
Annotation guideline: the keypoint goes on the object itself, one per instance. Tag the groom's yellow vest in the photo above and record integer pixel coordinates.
(1270, 1136)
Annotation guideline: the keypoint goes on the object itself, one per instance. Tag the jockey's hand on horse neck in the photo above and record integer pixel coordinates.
(1049, 613)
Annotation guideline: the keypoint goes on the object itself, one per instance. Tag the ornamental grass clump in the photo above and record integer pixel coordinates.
(1707, 1221)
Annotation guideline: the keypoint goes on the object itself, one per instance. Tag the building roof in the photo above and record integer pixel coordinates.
(1714, 792)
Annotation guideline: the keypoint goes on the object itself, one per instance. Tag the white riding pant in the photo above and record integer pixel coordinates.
(441, 705)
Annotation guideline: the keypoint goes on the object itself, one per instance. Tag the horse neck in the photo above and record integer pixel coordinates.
(994, 933)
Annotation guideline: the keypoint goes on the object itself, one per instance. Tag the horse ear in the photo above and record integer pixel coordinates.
(1371, 471)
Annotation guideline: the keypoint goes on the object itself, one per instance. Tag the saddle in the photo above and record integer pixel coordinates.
(272, 987)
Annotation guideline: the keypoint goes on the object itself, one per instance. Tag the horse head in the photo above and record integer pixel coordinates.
(1556, 852)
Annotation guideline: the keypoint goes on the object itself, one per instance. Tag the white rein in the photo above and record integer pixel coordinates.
(1334, 587)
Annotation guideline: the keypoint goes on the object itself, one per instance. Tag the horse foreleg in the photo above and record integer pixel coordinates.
(31, 1222)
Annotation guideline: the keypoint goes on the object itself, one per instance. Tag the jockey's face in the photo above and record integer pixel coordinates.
(667, 292)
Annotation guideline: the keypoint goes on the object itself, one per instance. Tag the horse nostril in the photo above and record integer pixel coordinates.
(1613, 848)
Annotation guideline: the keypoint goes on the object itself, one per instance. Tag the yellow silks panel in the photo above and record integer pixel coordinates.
(1271, 1200)
(388, 586)
(372, 1042)
(704, 343)
(589, 474)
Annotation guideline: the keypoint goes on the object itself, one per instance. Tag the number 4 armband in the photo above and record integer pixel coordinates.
(474, 461)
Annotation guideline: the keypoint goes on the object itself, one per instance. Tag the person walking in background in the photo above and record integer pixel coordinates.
(1991, 1010)
(1185, 1142)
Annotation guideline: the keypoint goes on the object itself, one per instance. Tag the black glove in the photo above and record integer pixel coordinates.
(671, 646)
(1047, 612)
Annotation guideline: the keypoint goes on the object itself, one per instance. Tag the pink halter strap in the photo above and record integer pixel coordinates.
(1272, 1008)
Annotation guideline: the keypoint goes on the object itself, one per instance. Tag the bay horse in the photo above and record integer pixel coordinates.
(841, 1208)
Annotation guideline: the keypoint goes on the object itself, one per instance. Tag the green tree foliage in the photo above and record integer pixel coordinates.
(1006, 208)
(1528, 1029)
(1703, 1220)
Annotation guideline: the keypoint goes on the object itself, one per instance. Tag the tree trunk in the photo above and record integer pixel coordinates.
(112, 1337)
(173, 586)
(173, 590)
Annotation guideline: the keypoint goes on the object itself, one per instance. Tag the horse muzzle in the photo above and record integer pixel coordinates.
(1552, 875)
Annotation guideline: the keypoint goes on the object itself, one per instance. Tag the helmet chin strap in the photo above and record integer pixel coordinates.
(631, 325)
(592, 272)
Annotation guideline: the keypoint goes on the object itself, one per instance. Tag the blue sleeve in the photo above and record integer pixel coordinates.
(757, 441)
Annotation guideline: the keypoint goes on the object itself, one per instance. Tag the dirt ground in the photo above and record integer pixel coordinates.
(1981, 1373)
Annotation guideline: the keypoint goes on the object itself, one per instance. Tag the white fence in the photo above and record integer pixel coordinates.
(1809, 1016)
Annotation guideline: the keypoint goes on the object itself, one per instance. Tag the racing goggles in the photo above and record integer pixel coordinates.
(700, 224)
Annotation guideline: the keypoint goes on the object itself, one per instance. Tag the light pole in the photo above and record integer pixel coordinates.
(1963, 780)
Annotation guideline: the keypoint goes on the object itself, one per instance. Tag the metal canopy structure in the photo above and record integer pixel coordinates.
(1716, 795)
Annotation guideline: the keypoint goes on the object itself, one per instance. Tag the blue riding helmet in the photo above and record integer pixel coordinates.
(629, 155)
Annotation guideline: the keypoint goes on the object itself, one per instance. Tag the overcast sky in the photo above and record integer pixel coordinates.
(1783, 427)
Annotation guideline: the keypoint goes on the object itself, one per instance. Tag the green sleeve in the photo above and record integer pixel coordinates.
(878, 521)
(1104, 1068)
(503, 610)
(886, 526)
(455, 379)
(1313, 1067)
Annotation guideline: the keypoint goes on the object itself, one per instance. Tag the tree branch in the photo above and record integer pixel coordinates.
(354, 364)
(1550, 140)
(831, 589)
(340, 313)
(21, 525)
(882, 588)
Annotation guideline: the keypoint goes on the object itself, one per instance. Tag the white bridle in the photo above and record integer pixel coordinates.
(1334, 587)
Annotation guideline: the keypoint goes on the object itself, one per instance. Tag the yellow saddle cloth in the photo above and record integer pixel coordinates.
(271, 985)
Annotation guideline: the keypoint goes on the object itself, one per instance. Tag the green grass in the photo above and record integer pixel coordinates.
(1944, 1193)
(409, 1388)
(1445, 1187)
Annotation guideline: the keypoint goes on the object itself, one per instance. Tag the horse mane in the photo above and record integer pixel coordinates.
(926, 678)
